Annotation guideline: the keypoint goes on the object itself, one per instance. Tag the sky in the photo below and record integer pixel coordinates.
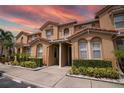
(31, 18)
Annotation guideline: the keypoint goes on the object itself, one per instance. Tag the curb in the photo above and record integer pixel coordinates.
(25, 81)
(31, 69)
(96, 79)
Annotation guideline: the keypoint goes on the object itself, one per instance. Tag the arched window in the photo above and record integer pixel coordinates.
(66, 32)
(21, 39)
(39, 51)
(83, 50)
(96, 48)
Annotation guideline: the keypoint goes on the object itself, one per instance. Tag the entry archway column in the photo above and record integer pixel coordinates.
(60, 55)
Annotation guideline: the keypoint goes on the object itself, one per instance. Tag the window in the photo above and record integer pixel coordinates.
(39, 51)
(66, 32)
(96, 48)
(119, 20)
(29, 50)
(33, 37)
(49, 33)
(83, 49)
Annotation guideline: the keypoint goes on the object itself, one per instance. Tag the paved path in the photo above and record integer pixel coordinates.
(54, 76)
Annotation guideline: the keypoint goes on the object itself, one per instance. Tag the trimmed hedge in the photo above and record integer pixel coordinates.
(92, 63)
(96, 72)
(39, 61)
(15, 63)
(28, 64)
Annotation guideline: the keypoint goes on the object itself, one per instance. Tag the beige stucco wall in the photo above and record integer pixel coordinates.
(106, 22)
(92, 24)
(34, 51)
(61, 30)
(25, 39)
(107, 18)
(107, 46)
(35, 36)
(55, 31)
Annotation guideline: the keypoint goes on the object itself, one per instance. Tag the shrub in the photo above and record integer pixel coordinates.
(39, 61)
(96, 72)
(75, 71)
(92, 63)
(15, 63)
(22, 57)
(29, 64)
(22, 64)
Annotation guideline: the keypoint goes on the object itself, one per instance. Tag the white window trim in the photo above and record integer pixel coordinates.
(90, 51)
(65, 36)
(97, 49)
(40, 52)
(86, 49)
(115, 25)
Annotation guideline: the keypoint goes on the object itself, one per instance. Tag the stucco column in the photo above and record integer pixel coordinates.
(89, 50)
(21, 49)
(60, 55)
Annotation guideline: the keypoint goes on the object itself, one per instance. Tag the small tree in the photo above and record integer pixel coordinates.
(119, 55)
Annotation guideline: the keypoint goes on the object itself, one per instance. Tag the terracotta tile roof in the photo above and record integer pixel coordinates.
(103, 10)
(48, 22)
(38, 39)
(22, 32)
(68, 23)
(87, 22)
(35, 33)
(19, 44)
(93, 30)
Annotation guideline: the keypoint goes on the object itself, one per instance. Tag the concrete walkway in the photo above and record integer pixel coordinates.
(53, 76)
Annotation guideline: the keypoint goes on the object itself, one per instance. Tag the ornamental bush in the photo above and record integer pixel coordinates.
(39, 61)
(15, 63)
(28, 64)
(96, 72)
(92, 63)
(22, 64)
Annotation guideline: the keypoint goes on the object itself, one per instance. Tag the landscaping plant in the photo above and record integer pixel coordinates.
(94, 68)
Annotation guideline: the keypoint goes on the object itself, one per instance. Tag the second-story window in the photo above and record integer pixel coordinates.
(49, 33)
(33, 37)
(66, 32)
(119, 20)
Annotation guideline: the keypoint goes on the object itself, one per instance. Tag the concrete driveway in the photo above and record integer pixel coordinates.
(53, 76)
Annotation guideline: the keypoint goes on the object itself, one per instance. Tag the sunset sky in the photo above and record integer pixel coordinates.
(31, 18)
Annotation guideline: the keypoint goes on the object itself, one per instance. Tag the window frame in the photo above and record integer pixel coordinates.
(39, 54)
(49, 36)
(84, 50)
(64, 31)
(115, 15)
(98, 41)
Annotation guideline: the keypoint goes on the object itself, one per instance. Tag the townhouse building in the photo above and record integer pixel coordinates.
(59, 44)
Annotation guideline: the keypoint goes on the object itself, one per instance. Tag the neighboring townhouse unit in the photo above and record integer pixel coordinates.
(59, 44)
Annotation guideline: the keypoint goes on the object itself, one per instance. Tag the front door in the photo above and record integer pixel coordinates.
(56, 55)
(69, 56)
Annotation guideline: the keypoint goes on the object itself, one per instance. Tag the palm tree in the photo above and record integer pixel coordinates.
(6, 41)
